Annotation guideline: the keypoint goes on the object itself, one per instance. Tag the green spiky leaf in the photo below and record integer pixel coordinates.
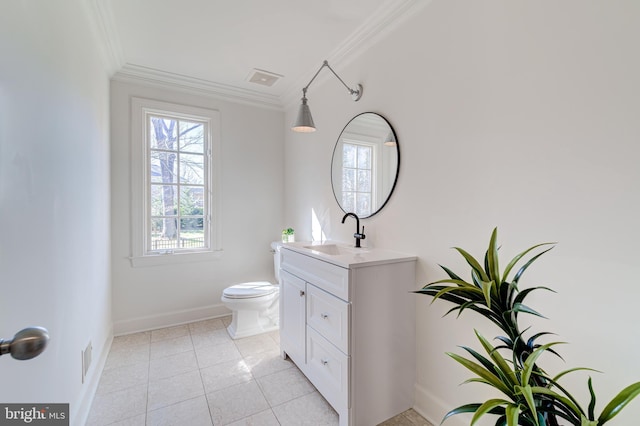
(531, 404)
(592, 402)
(499, 361)
(512, 413)
(619, 402)
(482, 372)
(493, 268)
(486, 407)
(475, 266)
(531, 360)
(516, 259)
(487, 288)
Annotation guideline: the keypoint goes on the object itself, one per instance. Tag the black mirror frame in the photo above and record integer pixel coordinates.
(395, 180)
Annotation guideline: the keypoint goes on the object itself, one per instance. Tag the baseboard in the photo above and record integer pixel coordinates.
(81, 414)
(169, 319)
(433, 408)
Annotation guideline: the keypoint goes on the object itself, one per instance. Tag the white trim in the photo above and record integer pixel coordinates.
(137, 74)
(140, 107)
(101, 19)
(428, 405)
(386, 19)
(169, 319)
(173, 258)
(374, 192)
(80, 415)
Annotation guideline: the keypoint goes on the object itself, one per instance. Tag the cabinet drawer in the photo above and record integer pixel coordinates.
(328, 370)
(327, 276)
(329, 316)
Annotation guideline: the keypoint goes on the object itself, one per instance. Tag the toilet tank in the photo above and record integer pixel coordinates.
(275, 247)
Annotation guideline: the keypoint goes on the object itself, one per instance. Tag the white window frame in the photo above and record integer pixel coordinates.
(375, 166)
(141, 255)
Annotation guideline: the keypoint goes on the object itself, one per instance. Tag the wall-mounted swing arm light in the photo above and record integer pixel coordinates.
(304, 122)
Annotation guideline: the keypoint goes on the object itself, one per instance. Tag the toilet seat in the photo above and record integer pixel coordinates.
(249, 290)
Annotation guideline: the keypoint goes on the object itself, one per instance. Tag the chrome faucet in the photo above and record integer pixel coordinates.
(358, 235)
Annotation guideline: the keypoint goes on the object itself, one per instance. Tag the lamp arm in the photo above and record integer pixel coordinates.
(351, 91)
(326, 64)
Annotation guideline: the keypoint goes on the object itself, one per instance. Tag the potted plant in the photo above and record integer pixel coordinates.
(532, 397)
(288, 235)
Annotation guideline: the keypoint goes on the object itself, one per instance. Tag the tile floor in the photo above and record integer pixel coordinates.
(195, 374)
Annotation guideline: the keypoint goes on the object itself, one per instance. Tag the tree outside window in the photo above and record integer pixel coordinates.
(177, 183)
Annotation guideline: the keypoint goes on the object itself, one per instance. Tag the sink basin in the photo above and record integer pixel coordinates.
(334, 249)
(346, 255)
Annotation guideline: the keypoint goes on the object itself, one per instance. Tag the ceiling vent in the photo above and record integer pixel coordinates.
(264, 78)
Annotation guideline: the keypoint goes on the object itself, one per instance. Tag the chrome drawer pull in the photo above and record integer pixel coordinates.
(324, 361)
(324, 316)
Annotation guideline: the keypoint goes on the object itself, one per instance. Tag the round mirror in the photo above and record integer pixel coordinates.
(365, 165)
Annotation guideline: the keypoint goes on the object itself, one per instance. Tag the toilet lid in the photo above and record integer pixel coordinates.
(249, 290)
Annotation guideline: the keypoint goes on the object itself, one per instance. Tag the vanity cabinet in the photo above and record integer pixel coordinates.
(348, 323)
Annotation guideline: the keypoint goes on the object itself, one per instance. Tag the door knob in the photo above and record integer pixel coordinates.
(26, 344)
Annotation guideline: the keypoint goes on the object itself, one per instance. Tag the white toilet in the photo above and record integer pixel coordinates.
(254, 305)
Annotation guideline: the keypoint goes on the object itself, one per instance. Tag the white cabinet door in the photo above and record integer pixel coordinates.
(293, 321)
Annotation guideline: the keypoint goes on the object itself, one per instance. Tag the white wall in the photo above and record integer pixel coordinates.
(251, 210)
(521, 115)
(54, 199)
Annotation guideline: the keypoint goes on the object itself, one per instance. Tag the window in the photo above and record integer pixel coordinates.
(357, 179)
(174, 160)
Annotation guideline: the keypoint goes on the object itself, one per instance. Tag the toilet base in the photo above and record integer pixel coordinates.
(245, 323)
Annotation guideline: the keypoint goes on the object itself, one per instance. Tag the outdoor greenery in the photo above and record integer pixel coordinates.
(177, 197)
(532, 397)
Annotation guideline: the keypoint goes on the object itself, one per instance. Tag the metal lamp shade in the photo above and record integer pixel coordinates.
(304, 122)
(390, 140)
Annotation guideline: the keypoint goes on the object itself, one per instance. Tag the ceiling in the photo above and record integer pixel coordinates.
(215, 45)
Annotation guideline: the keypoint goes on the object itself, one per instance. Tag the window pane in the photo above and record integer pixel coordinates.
(348, 180)
(363, 204)
(191, 137)
(164, 200)
(163, 167)
(192, 169)
(349, 201)
(191, 201)
(192, 233)
(163, 234)
(162, 133)
(156, 229)
(364, 157)
(349, 155)
(364, 181)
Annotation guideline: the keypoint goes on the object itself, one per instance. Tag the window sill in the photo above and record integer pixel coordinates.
(173, 258)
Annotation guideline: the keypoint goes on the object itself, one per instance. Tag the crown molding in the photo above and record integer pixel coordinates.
(131, 73)
(101, 19)
(385, 19)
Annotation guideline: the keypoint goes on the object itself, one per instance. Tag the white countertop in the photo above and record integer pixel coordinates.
(347, 256)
